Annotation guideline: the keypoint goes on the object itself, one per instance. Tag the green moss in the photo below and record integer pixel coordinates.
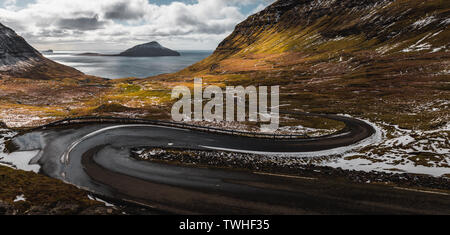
(129, 88)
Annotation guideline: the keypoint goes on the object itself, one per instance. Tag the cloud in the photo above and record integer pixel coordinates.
(259, 8)
(81, 23)
(10, 4)
(122, 23)
(125, 10)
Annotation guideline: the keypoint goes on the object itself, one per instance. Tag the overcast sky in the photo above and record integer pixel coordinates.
(119, 24)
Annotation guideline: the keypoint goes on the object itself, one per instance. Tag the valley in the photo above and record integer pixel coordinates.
(384, 62)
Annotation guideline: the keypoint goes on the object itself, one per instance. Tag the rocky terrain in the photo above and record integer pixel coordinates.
(283, 165)
(316, 31)
(15, 50)
(19, 59)
(386, 62)
(383, 61)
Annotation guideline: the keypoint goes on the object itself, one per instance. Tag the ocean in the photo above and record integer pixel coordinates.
(114, 67)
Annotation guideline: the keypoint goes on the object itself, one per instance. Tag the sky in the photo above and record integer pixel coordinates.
(96, 25)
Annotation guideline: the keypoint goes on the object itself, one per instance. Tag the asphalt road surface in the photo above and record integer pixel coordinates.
(97, 158)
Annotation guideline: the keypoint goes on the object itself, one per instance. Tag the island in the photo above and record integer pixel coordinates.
(151, 49)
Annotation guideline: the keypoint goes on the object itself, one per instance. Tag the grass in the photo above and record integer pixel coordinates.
(40, 191)
(330, 64)
(337, 61)
(427, 159)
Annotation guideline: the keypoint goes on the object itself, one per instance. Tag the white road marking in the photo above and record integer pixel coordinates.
(285, 176)
(422, 191)
(375, 138)
(65, 156)
(139, 203)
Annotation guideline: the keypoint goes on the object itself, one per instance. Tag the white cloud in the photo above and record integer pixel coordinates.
(10, 4)
(259, 8)
(117, 24)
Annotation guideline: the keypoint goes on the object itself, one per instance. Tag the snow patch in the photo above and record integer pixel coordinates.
(384, 49)
(400, 141)
(100, 200)
(375, 138)
(368, 166)
(17, 160)
(446, 21)
(417, 47)
(437, 49)
(423, 22)
(20, 160)
(20, 198)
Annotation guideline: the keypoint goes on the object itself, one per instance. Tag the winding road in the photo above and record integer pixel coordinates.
(97, 157)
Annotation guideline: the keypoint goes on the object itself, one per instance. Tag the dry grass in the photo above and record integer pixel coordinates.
(40, 190)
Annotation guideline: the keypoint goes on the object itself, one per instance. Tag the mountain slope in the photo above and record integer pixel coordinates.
(356, 25)
(19, 59)
(316, 31)
(387, 62)
(15, 50)
(382, 59)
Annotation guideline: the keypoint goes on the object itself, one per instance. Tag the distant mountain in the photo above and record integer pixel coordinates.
(19, 59)
(151, 49)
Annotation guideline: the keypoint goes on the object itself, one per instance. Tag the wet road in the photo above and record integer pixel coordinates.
(96, 157)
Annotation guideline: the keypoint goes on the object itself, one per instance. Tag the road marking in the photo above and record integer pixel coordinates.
(139, 203)
(65, 156)
(285, 176)
(422, 191)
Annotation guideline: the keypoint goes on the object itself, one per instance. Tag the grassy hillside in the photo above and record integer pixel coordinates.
(334, 31)
(387, 60)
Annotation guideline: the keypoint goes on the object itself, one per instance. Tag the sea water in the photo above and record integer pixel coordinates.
(114, 67)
